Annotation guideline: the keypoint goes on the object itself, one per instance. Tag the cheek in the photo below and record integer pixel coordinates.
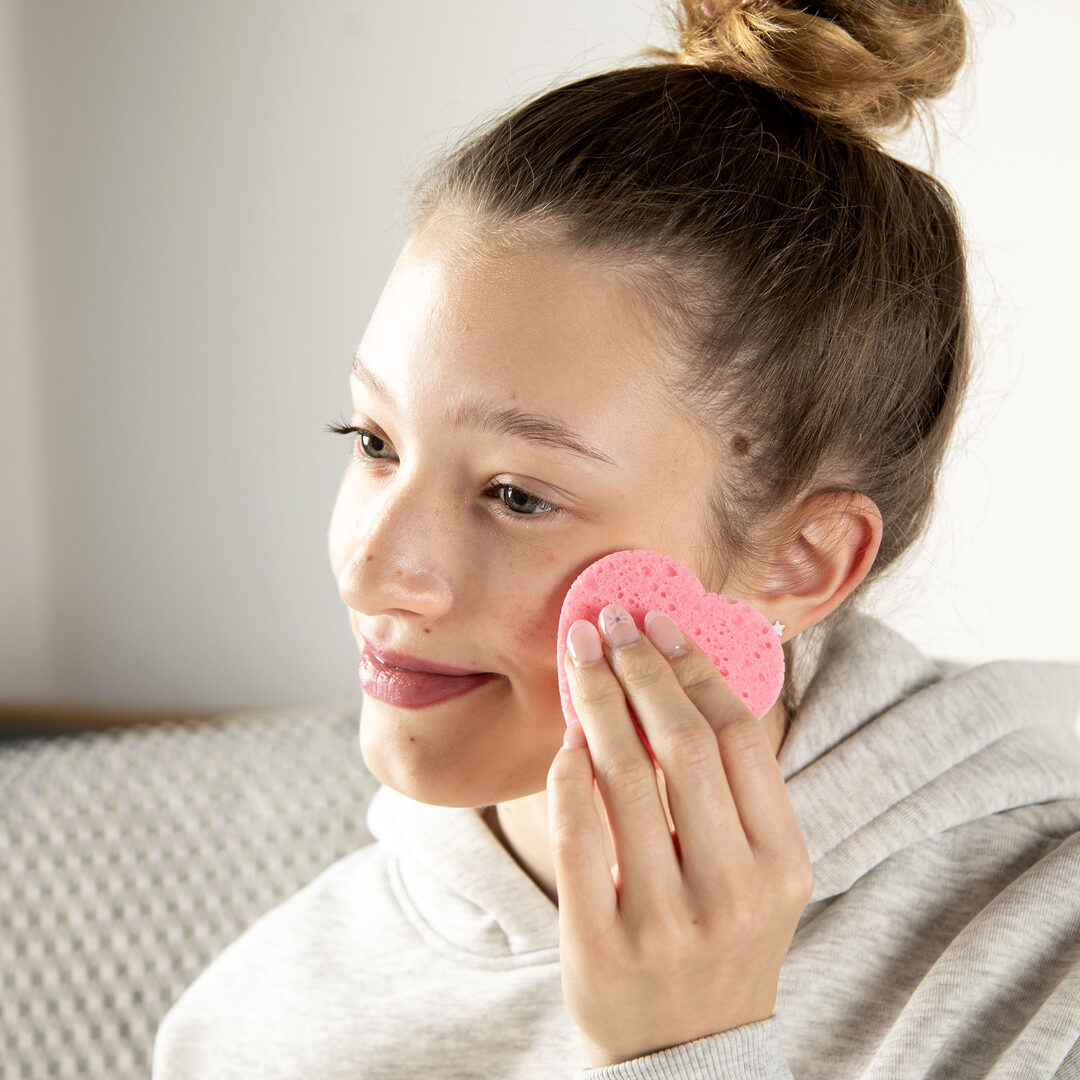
(527, 617)
(349, 518)
(338, 531)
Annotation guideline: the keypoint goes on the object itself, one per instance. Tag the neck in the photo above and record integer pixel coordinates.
(521, 825)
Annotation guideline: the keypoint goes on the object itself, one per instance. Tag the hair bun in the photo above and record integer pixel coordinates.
(864, 64)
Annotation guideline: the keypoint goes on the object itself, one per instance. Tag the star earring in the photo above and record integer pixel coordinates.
(778, 626)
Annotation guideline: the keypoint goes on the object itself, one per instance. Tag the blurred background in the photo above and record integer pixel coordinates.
(199, 204)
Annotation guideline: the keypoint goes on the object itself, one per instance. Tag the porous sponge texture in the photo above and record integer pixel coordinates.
(738, 639)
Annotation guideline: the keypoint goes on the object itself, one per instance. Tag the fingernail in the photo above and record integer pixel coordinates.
(665, 635)
(617, 626)
(584, 643)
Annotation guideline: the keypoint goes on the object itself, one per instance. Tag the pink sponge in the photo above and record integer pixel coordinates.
(733, 634)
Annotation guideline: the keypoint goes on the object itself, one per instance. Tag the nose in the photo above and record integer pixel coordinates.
(398, 554)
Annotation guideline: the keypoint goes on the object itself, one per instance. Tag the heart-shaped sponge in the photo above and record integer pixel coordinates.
(732, 633)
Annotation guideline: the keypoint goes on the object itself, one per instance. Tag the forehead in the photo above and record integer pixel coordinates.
(533, 318)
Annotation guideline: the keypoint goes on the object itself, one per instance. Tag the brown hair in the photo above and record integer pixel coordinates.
(816, 284)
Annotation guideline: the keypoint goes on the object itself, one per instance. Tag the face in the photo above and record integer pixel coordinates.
(456, 542)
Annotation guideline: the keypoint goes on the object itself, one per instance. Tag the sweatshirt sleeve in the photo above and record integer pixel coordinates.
(750, 1052)
(1070, 1067)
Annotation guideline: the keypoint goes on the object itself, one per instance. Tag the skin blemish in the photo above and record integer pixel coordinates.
(369, 558)
(741, 445)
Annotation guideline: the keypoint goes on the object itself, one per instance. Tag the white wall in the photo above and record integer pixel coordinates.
(27, 661)
(203, 200)
(996, 575)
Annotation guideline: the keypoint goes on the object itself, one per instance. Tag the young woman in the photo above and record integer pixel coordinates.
(688, 306)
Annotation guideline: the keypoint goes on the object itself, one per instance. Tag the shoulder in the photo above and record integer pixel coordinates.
(957, 953)
(265, 974)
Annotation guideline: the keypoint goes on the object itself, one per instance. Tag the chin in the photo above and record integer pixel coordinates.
(435, 774)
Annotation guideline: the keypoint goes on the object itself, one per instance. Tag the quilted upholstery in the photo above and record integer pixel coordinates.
(131, 856)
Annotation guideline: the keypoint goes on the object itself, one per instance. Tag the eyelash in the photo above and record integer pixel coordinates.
(551, 511)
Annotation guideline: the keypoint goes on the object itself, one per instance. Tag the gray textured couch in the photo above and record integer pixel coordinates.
(131, 856)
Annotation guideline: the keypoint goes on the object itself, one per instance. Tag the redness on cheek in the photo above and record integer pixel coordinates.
(519, 628)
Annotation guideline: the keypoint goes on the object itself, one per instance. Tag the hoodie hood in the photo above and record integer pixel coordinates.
(889, 747)
(456, 880)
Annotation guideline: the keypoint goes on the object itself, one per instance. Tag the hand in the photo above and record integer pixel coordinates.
(687, 936)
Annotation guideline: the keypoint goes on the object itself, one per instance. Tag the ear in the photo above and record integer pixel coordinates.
(836, 539)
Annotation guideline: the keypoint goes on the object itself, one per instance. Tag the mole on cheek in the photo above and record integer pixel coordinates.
(741, 445)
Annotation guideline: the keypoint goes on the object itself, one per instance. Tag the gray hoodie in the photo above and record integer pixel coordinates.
(941, 807)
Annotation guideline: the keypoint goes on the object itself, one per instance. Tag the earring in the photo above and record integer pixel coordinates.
(778, 626)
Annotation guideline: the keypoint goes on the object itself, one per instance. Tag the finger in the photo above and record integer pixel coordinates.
(586, 892)
(758, 787)
(710, 833)
(625, 775)
(749, 762)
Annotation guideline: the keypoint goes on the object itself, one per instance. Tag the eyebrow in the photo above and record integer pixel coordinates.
(532, 427)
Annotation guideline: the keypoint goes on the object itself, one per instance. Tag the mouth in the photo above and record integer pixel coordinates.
(398, 661)
(413, 689)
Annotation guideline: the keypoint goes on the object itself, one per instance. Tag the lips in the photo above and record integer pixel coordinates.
(393, 659)
(413, 689)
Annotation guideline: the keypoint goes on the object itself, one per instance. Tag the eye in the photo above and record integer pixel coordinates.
(372, 444)
(511, 505)
(367, 439)
(518, 499)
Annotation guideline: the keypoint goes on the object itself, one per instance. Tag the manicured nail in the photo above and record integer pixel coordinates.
(584, 643)
(617, 626)
(665, 635)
